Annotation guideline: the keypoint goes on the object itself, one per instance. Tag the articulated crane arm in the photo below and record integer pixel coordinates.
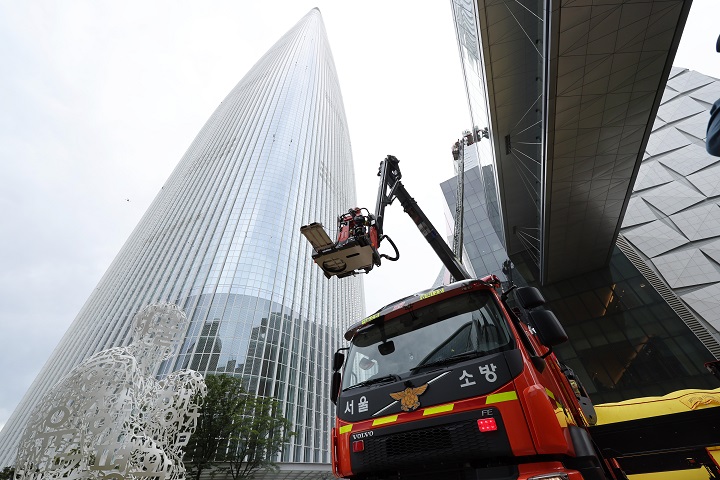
(360, 235)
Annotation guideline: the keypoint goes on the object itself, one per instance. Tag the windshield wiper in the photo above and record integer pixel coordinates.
(452, 359)
(372, 381)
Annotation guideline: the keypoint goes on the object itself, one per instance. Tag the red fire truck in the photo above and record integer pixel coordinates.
(451, 382)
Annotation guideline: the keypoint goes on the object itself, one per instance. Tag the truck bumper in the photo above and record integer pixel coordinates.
(530, 471)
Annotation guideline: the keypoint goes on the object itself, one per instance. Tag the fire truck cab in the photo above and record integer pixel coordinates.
(453, 383)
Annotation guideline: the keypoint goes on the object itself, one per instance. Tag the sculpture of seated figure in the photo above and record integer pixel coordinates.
(109, 418)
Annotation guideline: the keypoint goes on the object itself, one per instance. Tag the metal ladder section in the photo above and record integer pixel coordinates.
(670, 297)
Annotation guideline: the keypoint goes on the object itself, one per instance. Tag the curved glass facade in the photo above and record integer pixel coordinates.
(222, 240)
(465, 18)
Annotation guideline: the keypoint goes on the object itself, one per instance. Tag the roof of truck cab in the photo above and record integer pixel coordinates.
(408, 301)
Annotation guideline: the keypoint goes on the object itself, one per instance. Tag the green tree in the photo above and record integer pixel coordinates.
(7, 473)
(258, 438)
(223, 403)
(237, 432)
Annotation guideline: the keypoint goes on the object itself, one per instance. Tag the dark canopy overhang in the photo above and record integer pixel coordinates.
(573, 89)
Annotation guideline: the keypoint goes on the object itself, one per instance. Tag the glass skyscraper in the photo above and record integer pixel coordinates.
(222, 240)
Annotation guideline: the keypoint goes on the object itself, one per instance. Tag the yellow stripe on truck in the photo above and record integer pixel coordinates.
(553, 400)
(448, 407)
(384, 420)
(439, 409)
(501, 397)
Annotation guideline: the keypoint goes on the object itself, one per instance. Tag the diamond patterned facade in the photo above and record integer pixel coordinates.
(673, 197)
(656, 238)
(222, 240)
(705, 302)
(687, 160)
(675, 225)
(652, 176)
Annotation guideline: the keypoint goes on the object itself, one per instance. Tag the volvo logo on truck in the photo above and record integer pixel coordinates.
(358, 436)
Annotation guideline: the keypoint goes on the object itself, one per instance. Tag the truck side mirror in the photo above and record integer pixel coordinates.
(529, 297)
(549, 330)
(335, 386)
(338, 360)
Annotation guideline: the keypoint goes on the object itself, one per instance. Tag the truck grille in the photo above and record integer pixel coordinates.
(449, 444)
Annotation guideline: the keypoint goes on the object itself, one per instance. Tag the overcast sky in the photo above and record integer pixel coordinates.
(99, 100)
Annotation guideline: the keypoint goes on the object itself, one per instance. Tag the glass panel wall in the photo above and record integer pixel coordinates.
(625, 340)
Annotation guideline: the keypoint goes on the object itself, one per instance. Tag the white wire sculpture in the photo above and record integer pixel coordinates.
(109, 418)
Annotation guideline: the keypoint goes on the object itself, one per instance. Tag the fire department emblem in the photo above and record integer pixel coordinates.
(409, 400)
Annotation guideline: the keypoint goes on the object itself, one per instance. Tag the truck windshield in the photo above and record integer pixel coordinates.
(443, 333)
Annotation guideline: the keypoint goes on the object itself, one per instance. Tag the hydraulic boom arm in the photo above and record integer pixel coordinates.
(391, 188)
(359, 236)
